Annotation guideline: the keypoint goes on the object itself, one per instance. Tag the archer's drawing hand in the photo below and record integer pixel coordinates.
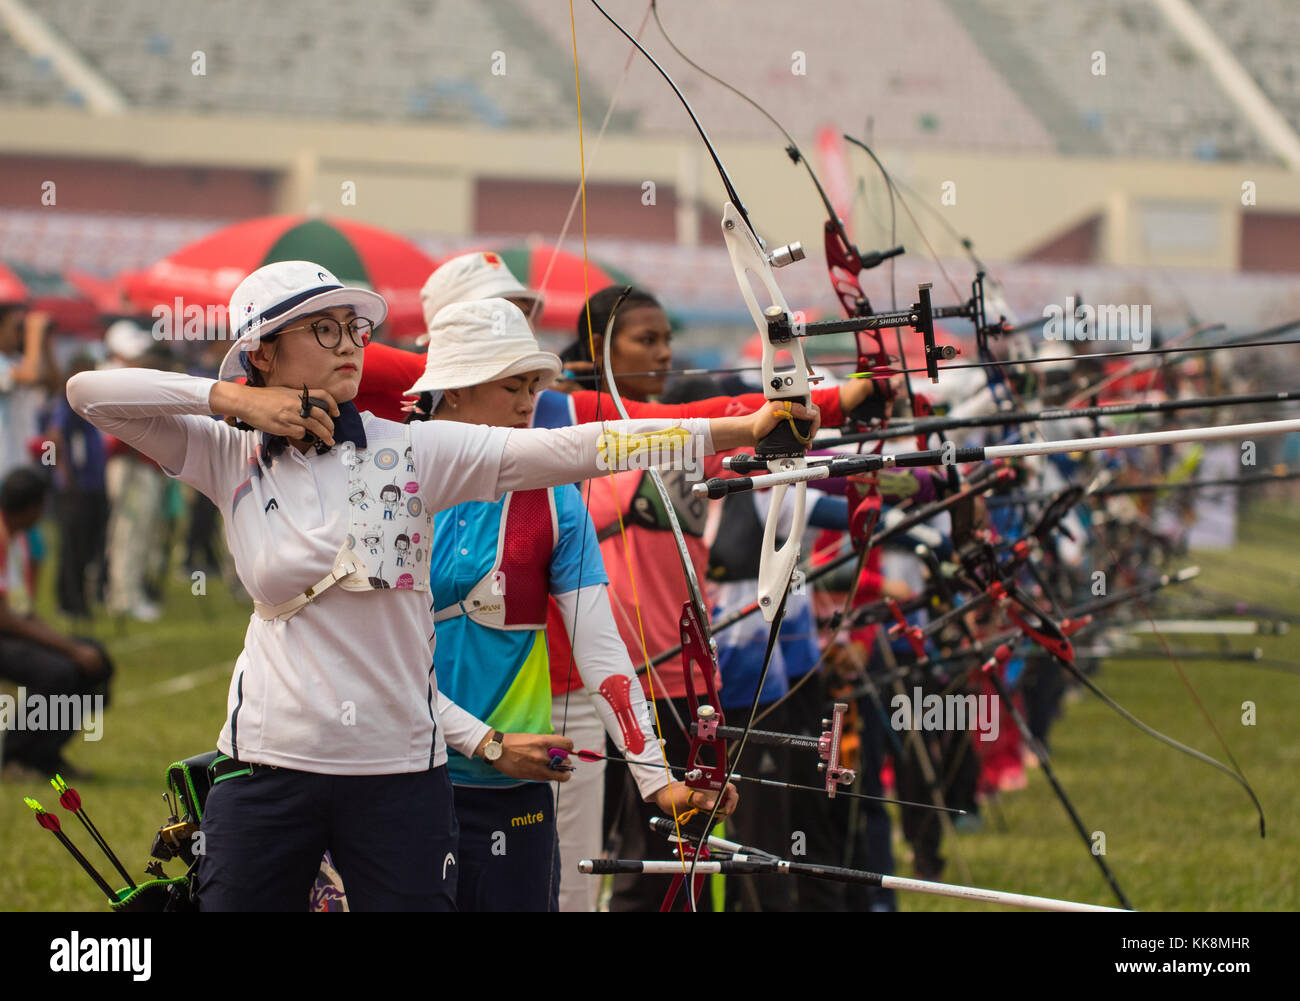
(276, 410)
(527, 756)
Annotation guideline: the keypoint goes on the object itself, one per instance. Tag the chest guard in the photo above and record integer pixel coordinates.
(514, 593)
(646, 509)
(389, 529)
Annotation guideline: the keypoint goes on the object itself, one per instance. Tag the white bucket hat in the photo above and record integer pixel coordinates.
(276, 294)
(475, 342)
(481, 275)
(127, 339)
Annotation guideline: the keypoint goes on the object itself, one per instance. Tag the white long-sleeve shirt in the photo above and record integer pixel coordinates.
(346, 686)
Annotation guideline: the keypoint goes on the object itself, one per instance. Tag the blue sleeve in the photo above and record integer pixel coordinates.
(553, 410)
(576, 562)
(830, 512)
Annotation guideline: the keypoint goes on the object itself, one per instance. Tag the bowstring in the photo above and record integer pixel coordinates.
(591, 341)
(595, 148)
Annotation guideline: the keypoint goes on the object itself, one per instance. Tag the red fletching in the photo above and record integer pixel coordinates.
(589, 756)
(48, 820)
(70, 800)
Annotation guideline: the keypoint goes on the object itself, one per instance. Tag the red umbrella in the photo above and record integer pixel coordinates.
(205, 273)
(105, 293)
(11, 287)
(558, 274)
(49, 292)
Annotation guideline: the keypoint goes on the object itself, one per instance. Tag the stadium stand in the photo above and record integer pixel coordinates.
(24, 80)
(1261, 34)
(1008, 75)
(922, 83)
(1156, 98)
(97, 243)
(414, 59)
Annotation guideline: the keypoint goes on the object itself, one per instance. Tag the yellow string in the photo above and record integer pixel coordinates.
(785, 410)
(591, 341)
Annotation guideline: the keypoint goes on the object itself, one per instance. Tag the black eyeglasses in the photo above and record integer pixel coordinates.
(329, 332)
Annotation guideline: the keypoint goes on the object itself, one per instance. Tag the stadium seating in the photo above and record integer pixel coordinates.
(411, 60)
(24, 80)
(1261, 34)
(1156, 98)
(1011, 75)
(917, 81)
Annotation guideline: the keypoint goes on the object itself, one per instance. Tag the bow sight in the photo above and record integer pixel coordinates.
(781, 329)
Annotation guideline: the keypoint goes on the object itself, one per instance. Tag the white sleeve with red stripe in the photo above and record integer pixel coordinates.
(602, 662)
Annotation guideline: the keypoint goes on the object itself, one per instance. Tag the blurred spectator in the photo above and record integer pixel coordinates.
(32, 654)
(23, 360)
(136, 490)
(81, 503)
(28, 375)
(203, 549)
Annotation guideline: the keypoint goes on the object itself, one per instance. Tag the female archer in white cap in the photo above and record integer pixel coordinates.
(496, 566)
(336, 733)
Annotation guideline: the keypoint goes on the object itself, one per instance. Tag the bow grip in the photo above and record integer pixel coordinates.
(789, 439)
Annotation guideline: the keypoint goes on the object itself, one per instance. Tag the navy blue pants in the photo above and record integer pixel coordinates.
(509, 852)
(392, 838)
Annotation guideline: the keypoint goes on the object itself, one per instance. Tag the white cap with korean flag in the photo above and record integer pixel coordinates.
(276, 294)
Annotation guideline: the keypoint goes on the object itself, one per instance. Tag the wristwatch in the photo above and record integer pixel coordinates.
(493, 748)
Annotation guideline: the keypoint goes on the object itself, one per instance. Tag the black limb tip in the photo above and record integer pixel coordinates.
(744, 464)
(718, 487)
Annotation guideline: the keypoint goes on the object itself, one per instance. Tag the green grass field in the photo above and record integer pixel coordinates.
(1179, 836)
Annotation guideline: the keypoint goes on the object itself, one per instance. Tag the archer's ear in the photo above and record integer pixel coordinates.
(263, 357)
